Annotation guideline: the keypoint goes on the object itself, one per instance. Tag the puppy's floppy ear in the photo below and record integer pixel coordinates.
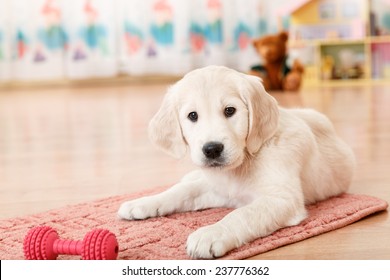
(164, 128)
(263, 112)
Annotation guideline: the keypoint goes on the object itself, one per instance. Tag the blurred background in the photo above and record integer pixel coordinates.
(80, 80)
(44, 40)
(60, 39)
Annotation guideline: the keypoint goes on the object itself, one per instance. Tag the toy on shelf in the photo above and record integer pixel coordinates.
(274, 71)
(43, 243)
(327, 67)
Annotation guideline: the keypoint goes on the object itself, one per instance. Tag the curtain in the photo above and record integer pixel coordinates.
(78, 39)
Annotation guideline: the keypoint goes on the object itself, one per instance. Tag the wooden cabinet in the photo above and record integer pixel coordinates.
(339, 42)
(363, 60)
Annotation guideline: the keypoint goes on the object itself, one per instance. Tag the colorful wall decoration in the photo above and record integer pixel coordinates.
(52, 34)
(92, 49)
(4, 43)
(53, 39)
(36, 38)
(1, 46)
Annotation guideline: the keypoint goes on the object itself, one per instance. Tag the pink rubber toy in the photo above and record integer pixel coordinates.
(43, 243)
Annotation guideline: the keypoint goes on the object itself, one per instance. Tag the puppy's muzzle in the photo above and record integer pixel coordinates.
(212, 150)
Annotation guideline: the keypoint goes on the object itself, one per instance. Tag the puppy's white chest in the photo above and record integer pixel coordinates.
(236, 193)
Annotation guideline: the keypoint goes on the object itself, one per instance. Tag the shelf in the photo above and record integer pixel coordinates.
(379, 39)
(373, 54)
(366, 40)
(365, 59)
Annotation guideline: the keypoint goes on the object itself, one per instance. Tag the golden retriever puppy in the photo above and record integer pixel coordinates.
(262, 160)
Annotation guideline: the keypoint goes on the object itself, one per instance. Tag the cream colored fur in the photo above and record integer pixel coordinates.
(274, 160)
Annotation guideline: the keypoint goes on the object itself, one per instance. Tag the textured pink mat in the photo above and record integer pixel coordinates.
(165, 237)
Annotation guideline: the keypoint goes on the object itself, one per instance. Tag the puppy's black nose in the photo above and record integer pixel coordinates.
(212, 150)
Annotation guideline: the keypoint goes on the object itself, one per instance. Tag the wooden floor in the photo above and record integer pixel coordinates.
(69, 145)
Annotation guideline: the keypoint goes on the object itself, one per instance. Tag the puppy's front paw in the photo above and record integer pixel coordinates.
(139, 209)
(210, 242)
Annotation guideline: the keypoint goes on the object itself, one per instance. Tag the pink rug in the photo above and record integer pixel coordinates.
(165, 237)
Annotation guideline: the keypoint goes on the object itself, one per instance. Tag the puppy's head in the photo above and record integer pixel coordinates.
(219, 113)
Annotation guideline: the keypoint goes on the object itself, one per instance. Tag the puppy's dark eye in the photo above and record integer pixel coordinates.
(193, 116)
(229, 111)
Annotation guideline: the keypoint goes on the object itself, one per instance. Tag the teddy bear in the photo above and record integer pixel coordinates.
(275, 72)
